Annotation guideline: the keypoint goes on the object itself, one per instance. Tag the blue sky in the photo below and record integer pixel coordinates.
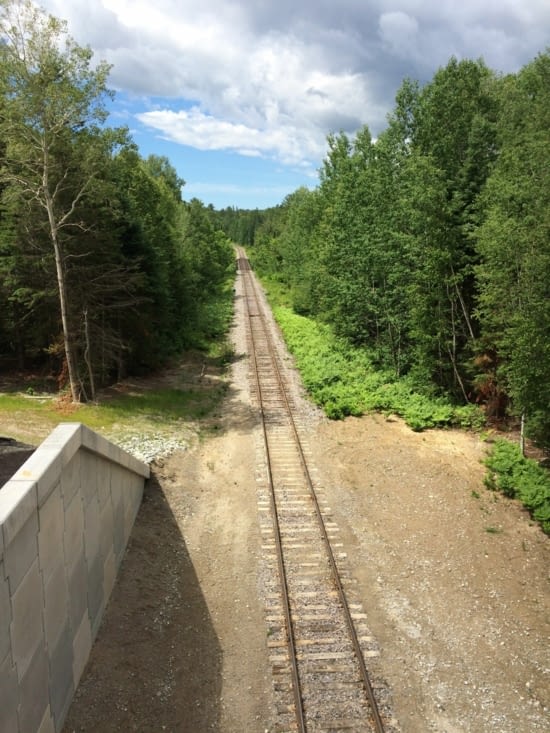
(241, 95)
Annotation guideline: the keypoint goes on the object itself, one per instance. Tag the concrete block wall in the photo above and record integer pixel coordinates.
(65, 520)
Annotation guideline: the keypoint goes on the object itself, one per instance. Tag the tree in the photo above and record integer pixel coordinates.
(513, 242)
(450, 129)
(52, 104)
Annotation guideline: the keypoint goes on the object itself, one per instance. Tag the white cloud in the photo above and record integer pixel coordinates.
(206, 132)
(273, 79)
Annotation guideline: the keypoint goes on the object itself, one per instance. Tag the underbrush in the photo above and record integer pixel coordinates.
(520, 478)
(342, 380)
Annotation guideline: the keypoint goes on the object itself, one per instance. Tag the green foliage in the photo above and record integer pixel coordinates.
(343, 381)
(103, 269)
(514, 245)
(428, 247)
(520, 478)
(239, 225)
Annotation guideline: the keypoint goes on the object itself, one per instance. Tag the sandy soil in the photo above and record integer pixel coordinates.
(454, 580)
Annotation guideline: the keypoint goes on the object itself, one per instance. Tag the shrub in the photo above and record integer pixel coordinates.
(521, 478)
(343, 381)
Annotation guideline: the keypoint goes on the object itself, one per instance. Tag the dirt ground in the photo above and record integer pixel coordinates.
(454, 580)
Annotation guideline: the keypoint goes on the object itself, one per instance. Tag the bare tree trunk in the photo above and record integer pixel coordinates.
(61, 286)
(522, 434)
(67, 339)
(61, 282)
(88, 356)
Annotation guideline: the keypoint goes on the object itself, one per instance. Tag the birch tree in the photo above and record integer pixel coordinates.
(52, 101)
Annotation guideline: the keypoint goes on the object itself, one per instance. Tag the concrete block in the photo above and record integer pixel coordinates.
(26, 627)
(106, 529)
(56, 606)
(67, 438)
(117, 489)
(73, 536)
(51, 523)
(88, 476)
(70, 479)
(82, 646)
(136, 496)
(96, 599)
(103, 481)
(47, 724)
(61, 678)
(116, 476)
(90, 439)
(119, 543)
(109, 574)
(98, 444)
(44, 468)
(18, 501)
(78, 592)
(91, 531)
(5, 615)
(8, 697)
(21, 552)
(34, 692)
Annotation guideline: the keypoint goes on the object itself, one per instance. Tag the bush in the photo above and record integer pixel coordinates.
(342, 380)
(520, 478)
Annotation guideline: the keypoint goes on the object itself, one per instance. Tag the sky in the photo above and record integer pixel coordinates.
(240, 95)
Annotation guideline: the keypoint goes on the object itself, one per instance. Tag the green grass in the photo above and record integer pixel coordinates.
(166, 405)
(509, 472)
(188, 392)
(149, 409)
(343, 381)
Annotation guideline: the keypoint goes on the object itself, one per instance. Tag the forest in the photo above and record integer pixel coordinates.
(429, 247)
(104, 270)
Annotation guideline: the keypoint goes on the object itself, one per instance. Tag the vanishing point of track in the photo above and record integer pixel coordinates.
(318, 639)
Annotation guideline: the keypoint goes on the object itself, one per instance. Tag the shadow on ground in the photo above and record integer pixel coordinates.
(157, 645)
(12, 456)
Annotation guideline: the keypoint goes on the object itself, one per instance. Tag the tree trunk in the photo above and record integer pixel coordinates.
(88, 355)
(63, 302)
(61, 282)
(67, 336)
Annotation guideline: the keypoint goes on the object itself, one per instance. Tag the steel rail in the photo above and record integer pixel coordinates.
(378, 723)
(291, 638)
(334, 567)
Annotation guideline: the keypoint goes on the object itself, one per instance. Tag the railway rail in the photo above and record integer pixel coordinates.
(318, 637)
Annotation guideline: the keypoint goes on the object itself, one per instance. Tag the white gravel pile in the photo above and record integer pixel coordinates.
(147, 447)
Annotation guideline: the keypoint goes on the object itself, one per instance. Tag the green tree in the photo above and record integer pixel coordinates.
(52, 103)
(210, 259)
(514, 246)
(450, 124)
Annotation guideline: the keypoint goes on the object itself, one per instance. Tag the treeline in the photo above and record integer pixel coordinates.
(240, 225)
(430, 246)
(104, 270)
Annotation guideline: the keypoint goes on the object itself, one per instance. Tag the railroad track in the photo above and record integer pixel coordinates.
(318, 637)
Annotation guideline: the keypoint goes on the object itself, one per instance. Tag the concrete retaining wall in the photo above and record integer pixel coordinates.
(65, 520)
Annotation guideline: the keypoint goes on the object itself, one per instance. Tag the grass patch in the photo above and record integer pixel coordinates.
(342, 380)
(191, 394)
(509, 472)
